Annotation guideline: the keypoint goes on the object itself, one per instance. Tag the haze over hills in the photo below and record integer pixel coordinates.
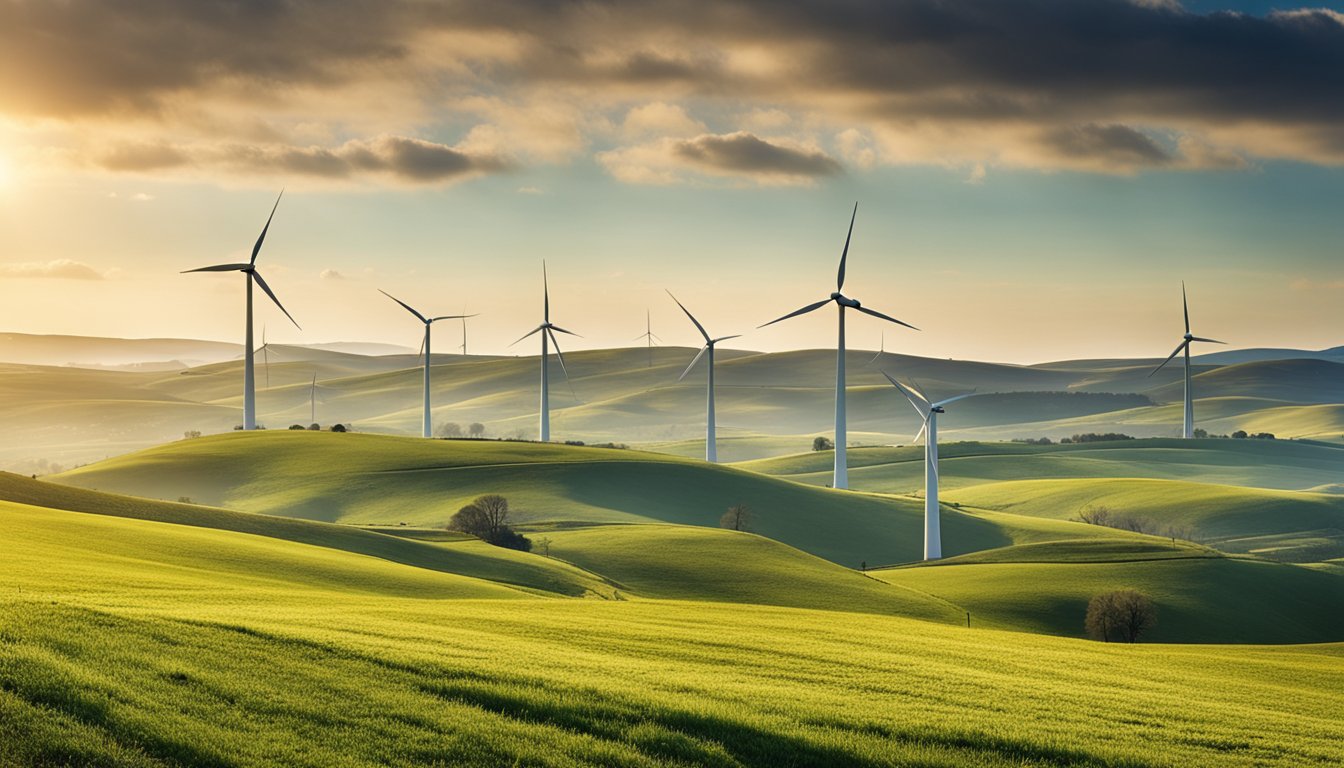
(770, 404)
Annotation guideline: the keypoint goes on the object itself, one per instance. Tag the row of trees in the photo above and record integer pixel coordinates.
(1122, 616)
(1127, 521)
(453, 429)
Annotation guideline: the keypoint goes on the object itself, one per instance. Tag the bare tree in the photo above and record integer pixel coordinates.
(1095, 515)
(1123, 615)
(738, 518)
(487, 518)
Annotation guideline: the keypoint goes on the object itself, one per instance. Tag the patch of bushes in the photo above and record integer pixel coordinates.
(487, 518)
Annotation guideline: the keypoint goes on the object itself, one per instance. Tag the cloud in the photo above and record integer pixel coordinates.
(741, 156)
(398, 158)
(331, 274)
(1116, 86)
(531, 191)
(57, 268)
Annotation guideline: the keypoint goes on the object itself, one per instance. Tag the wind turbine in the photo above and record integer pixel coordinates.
(265, 356)
(711, 448)
(547, 331)
(464, 332)
(312, 400)
(427, 429)
(649, 334)
(881, 350)
(1188, 428)
(253, 276)
(841, 477)
(928, 412)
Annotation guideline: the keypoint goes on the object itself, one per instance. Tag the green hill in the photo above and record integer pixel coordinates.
(140, 643)
(1199, 599)
(371, 479)
(685, 563)
(1233, 519)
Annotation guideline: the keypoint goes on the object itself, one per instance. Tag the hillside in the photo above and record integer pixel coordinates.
(373, 479)
(138, 643)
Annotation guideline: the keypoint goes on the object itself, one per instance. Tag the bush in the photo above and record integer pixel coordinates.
(1240, 434)
(314, 427)
(338, 428)
(822, 444)
(1096, 437)
(299, 427)
(190, 433)
(1119, 616)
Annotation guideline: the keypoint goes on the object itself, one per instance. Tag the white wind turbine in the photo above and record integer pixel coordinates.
(1188, 428)
(547, 330)
(253, 276)
(464, 331)
(881, 350)
(711, 447)
(841, 477)
(427, 429)
(312, 401)
(265, 351)
(649, 334)
(928, 412)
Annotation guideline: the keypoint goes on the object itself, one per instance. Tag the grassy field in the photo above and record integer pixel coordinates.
(122, 644)
(371, 479)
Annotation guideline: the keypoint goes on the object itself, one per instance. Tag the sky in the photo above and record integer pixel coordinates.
(1034, 178)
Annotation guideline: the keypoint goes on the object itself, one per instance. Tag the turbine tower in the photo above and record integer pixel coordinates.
(928, 412)
(649, 334)
(711, 448)
(265, 356)
(547, 330)
(464, 331)
(841, 477)
(1188, 427)
(312, 401)
(253, 276)
(427, 429)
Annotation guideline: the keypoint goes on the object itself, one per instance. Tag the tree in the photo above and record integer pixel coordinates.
(1240, 434)
(487, 518)
(1123, 615)
(191, 433)
(450, 429)
(545, 543)
(1200, 433)
(822, 444)
(476, 429)
(293, 427)
(737, 518)
(315, 427)
(338, 428)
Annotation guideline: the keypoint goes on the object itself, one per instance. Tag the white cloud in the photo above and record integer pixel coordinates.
(65, 269)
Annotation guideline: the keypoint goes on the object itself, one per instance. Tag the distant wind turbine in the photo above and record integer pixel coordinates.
(841, 476)
(649, 334)
(1188, 428)
(427, 429)
(312, 401)
(547, 331)
(464, 331)
(265, 356)
(928, 412)
(253, 276)
(881, 350)
(711, 447)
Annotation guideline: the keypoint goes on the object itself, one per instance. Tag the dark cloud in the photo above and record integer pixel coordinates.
(1115, 145)
(743, 153)
(1074, 76)
(402, 159)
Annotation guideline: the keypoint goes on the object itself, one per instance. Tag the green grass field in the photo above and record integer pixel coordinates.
(143, 643)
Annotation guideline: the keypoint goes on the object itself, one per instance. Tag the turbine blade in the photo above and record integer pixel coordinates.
(698, 326)
(914, 387)
(449, 317)
(1209, 341)
(219, 268)
(920, 433)
(875, 313)
(923, 412)
(874, 359)
(699, 355)
(725, 338)
(1185, 306)
(840, 275)
(941, 403)
(545, 294)
(797, 312)
(269, 292)
(529, 333)
(1174, 353)
(408, 307)
(560, 356)
(562, 330)
(257, 248)
(422, 343)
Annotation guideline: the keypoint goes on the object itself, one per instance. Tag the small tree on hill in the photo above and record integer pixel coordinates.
(1120, 616)
(822, 444)
(737, 518)
(487, 518)
(450, 429)
(476, 429)
(338, 428)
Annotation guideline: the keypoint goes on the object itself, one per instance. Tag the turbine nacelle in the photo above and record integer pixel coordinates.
(844, 301)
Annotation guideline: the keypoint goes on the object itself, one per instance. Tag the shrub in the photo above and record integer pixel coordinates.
(822, 444)
(338, 428)
(298, 427)
(315, 427)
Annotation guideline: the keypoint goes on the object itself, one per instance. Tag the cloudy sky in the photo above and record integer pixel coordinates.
(1034, 177)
